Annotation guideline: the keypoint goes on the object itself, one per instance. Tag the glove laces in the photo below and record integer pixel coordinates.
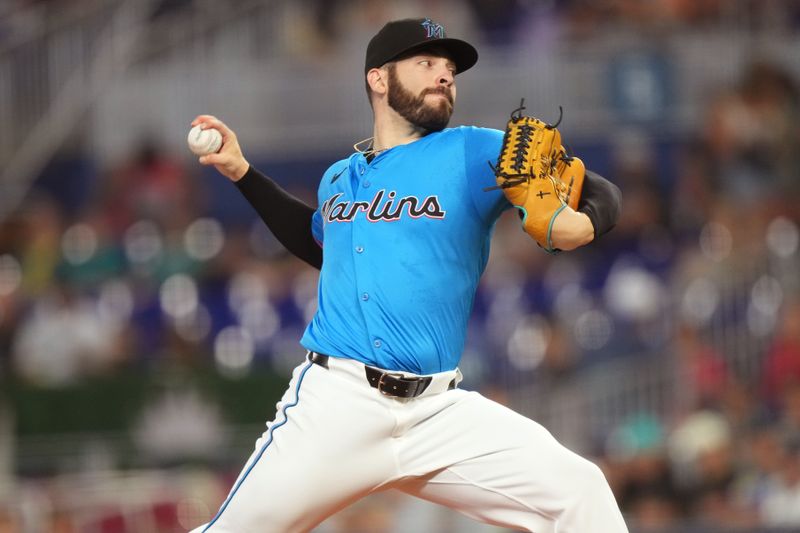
(520, 150)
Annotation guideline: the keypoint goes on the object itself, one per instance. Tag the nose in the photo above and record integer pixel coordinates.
(446, 78)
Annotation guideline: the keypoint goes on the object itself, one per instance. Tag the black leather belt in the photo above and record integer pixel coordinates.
(388, 383)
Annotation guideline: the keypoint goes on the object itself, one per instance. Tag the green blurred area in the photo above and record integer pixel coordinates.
(113, 403)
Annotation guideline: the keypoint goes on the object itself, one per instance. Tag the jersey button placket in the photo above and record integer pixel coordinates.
(363, 169)
(363, 274)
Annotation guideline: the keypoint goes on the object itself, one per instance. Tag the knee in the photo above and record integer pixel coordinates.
(585, 480)
(594, 479)
(592, 507)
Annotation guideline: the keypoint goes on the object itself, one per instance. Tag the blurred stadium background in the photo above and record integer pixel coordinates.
(148, 321)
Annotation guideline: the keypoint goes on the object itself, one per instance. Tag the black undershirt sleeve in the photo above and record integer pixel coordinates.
(287, 217)
(601, 201)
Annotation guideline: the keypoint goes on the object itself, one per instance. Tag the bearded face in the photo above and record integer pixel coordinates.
(424, 114)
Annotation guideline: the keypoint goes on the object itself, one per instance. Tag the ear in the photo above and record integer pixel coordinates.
(376, 78)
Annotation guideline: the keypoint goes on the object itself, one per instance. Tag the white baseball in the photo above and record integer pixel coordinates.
(202, 142)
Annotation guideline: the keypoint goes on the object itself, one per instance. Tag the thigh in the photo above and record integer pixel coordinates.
(324, 449)
(500, 467)
(485, 504)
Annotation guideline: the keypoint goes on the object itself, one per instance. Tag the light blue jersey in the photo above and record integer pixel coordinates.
(405, 239)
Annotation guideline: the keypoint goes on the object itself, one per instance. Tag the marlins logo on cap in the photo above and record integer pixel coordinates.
(434, 30)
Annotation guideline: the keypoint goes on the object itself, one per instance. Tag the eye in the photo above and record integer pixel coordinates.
(426, 62)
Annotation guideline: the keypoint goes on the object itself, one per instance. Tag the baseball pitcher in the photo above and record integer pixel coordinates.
(402, 236)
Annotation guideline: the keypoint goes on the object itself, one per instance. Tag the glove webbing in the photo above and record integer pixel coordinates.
(521, 155)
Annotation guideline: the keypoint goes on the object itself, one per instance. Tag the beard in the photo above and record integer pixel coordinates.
(423, 116)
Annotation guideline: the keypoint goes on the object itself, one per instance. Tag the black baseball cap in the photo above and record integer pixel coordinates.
(400, 37)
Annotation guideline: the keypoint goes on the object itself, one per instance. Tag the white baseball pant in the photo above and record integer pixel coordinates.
(336, 439)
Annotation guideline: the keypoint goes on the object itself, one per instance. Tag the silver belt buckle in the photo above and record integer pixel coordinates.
(381, 384)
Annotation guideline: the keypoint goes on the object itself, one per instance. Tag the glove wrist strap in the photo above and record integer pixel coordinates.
(550, 248)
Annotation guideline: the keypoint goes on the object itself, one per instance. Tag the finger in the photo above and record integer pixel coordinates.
(212, 159)
(217, 124)
(210, 121)
(202, 119)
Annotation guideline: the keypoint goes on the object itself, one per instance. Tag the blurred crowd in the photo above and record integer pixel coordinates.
(701, 278)
(727, 231)
(500, 22)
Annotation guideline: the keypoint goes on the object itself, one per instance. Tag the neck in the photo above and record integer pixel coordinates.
(390, 130)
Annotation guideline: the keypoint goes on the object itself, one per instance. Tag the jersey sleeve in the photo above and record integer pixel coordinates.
(481, 147)
(317, 220)
(316, 227)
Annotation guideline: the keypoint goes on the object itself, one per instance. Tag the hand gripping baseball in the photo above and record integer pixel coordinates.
(536, 175)
(229, 160)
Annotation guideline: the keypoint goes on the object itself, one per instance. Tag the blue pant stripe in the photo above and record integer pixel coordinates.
(263, 448)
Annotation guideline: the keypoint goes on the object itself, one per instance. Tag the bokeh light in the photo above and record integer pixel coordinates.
(10, 274)
(245, 287)
(178, 296)
(593, 329)
(204, 239)
(767, 295)
(783, 237)
(634, 294)
(79, 243)
(194, 326)
(143, 242)
(234, 351)
(260, 319)
(528, 342)
(700, 301)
